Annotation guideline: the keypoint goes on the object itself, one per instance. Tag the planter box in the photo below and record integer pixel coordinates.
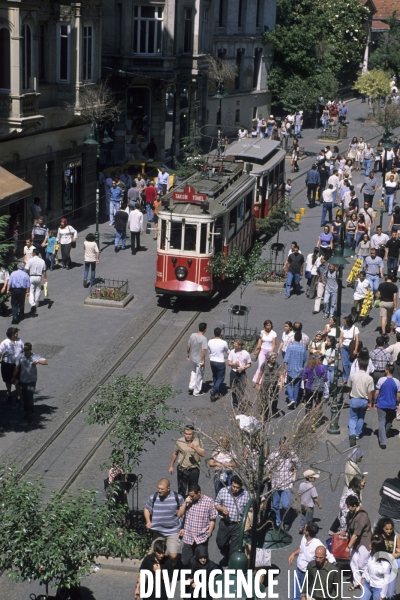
(108, 303)
(276, 285)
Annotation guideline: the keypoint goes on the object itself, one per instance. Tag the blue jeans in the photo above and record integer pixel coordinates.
(330, 298)
(297, 129)
(50, 258)
(391, 588)
(369, 592)
(290, 277)
(324, 122)
(280, 498)
(389, 199)
(293, 388)
(297, 584)
(358, 407)
(374, 279)
(326, 208)
(120, 235)
(334, 198)
(359, 236)
(92, 266)
(392, 264)
(218, 372)
(346, 364)
(328, 384)
(367, 166)
(350, 240)
(218, 484)
(114, 206)
(149, 212)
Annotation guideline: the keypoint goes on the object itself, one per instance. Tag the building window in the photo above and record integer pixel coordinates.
(147, 34)
(188, 31)
(237, 115)
(63, 58)
(42, 52)
(87, 53)
(222, 13)
(5, 79)
(240, 13)
(258, 13)
(26, 57)
(239, 64)
(204, 31)
(256, 68)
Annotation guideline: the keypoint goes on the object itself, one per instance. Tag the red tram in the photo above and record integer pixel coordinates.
(213, 211)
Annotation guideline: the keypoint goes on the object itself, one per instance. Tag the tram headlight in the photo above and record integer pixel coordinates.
(181, 273)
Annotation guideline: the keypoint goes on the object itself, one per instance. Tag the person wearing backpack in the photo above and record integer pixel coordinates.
(163, 515)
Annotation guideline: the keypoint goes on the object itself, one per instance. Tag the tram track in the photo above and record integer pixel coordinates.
(106, 433)
(56, 434)
(61, 459)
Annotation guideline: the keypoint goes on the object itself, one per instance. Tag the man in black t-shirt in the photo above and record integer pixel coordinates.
(294, 270)
(387, 294)
(120, 221)
(390, 502)
(392, 253)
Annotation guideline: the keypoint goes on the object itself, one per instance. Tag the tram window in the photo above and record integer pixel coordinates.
(249, 202)
(219, 235)
(163, 234)
(203, 238)
(270, 180)
(175, 240)
(232, 222)
(190, 238)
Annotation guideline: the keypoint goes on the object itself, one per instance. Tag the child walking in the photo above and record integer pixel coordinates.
(51, 248)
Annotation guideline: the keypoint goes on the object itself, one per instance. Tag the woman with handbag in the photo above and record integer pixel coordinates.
(376, 573)
(348, 343)
(266, 344)
(66, 237)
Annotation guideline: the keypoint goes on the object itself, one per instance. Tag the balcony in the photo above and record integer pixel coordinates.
(18, 112)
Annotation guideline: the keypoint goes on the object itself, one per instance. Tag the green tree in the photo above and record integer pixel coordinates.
(6, 248)
(375, 84)
(139, 412)
(281, 216)
(240, 268)
(387, 53)
(191, 155)
(57, 542)
(312, 37)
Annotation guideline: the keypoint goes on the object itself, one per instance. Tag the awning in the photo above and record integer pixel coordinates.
(12, 188)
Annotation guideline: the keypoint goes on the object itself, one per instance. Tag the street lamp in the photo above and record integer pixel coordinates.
(339, 261)
(387, 144)
(219, 95)
(91, 141)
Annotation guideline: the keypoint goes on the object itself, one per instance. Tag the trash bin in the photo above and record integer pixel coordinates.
(343, 132)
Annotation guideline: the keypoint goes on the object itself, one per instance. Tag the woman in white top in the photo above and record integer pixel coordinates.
(359, 153)
(287, 336)
(10, 349)
(330, 328)
(66, 237)
(376, 573)
(91, 259)
(266, 344)
(312, 264)
(348, 333)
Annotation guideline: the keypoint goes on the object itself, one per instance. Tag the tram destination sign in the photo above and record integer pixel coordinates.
(189, 195)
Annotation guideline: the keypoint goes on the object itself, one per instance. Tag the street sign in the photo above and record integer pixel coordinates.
(189, 195)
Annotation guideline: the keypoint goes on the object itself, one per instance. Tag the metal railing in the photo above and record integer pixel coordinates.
(109, 289)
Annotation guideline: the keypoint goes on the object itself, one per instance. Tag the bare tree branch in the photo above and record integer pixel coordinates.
(219, 70)
(97, 104)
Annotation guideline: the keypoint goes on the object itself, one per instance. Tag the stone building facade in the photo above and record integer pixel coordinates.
(48, 51)
(154, 54)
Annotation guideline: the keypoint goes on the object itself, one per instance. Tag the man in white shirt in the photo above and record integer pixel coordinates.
(334, 180)
(378, 241)
(135, 221)
(327, 203)
(369, 216)
(305, 554)
(28, 250)
(163, 181)
(240, 361)
(242, 133)
(35, 267)
(217, 349)
(363, 285)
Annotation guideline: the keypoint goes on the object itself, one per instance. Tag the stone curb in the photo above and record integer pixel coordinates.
(271, 284)
(116, 564)
(108, 303)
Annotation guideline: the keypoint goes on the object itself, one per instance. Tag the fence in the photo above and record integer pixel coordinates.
(109, 289)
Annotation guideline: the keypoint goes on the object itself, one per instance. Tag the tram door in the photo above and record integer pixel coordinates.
(72, 188)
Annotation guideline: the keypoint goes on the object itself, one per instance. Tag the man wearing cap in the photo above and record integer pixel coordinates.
(189, 451)
(305, 554)
(308, 498)
(19, 284)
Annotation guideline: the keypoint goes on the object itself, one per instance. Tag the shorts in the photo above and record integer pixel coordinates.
(174, 542)
(386, 309)
(7, 371)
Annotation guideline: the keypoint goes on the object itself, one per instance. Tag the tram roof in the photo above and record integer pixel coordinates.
(221, 203)
(257, 149)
